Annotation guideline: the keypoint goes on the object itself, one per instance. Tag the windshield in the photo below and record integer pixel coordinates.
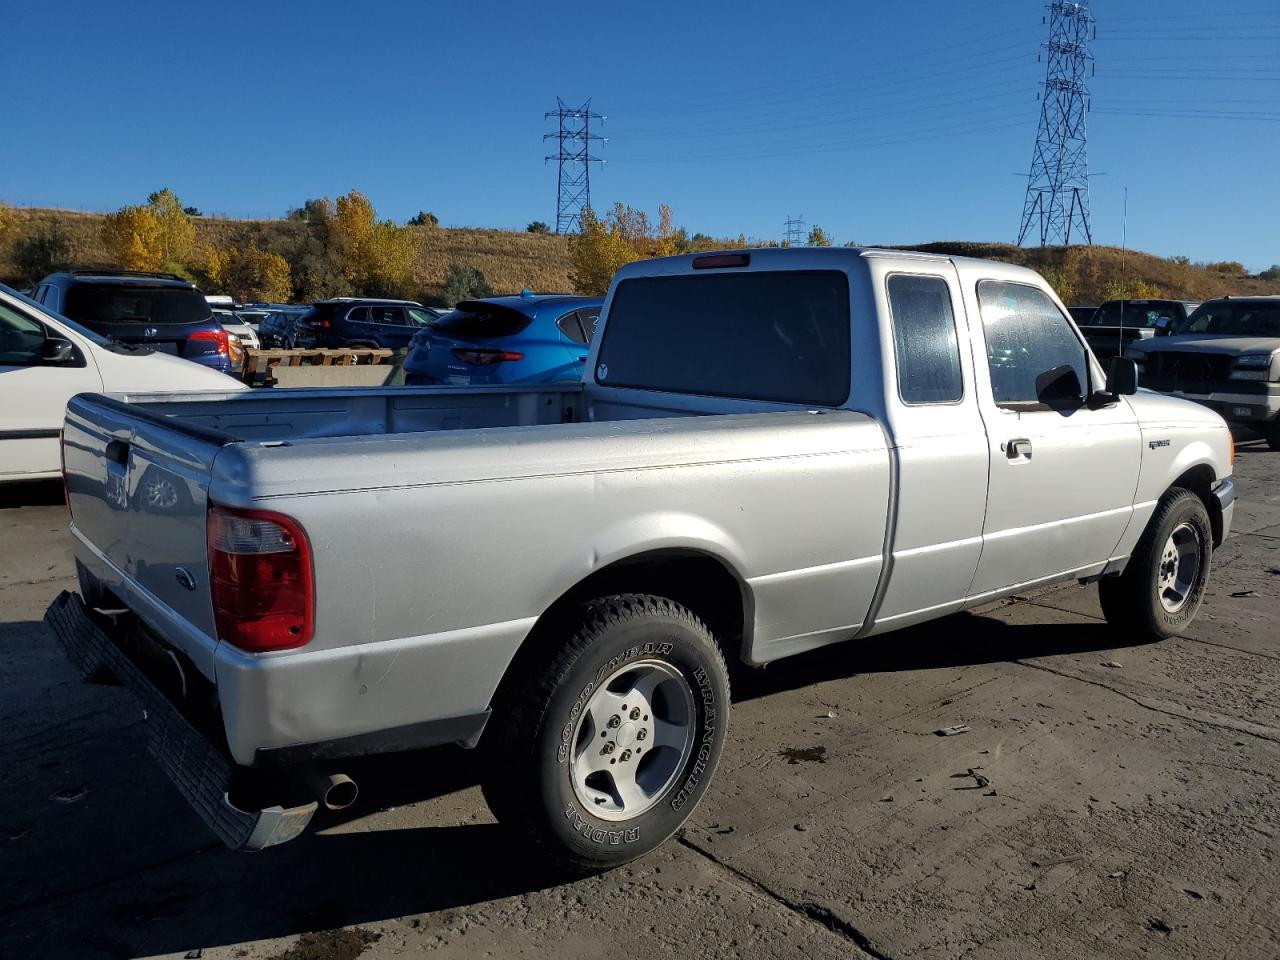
(136, 303)
(59, 318)
(1234, 318)
(1136, 313)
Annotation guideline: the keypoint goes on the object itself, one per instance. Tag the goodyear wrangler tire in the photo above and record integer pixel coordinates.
(601, 754)
(1161, 589)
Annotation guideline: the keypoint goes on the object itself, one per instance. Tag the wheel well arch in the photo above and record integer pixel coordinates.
(701, 581)
(1200, 480)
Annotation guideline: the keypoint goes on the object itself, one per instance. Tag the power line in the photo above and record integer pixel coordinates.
(1057, 197)
(573, 186)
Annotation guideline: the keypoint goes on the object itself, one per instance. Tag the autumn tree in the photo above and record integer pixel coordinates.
(818, 237)
(424, 218)
(156, 236)
(622, 236)
(378, 255)
(251, 275)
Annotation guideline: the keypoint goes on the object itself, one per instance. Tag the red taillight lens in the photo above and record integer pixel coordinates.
(321, 324)
(485, 358)
(260, 579)
(217, 337)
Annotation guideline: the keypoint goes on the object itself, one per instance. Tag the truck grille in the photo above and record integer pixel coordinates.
(1189, 368)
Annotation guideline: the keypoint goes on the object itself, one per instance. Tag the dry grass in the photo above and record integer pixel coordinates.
(513, 261)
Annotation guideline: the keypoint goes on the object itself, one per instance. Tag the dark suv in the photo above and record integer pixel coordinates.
(363, 322)
(158, 310)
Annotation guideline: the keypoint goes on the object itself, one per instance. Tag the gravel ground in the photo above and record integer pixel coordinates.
(1105, 802)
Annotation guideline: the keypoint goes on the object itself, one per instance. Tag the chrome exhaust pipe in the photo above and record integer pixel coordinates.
(335, 791)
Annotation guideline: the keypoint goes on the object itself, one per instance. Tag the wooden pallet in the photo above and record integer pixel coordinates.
(258, 364)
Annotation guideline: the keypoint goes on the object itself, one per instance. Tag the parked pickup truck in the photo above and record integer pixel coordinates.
(1225, 355)
(845, 443)
(1117, 323)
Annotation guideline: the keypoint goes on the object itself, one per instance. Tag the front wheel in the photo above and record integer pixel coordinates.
(608, 745)
(1161, 589)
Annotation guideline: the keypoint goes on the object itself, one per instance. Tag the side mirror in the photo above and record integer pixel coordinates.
(1122, 377)
(56, 350)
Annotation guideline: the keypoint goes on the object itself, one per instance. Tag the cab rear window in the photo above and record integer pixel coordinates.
(779, 336)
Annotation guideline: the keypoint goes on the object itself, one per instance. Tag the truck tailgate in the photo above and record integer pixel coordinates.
(138, 488)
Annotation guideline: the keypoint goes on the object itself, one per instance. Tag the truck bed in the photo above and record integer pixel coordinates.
(288, 415)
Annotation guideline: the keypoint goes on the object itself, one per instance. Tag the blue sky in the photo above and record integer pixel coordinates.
(882, 122)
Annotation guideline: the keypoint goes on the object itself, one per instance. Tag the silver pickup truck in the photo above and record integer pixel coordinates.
(772, 450)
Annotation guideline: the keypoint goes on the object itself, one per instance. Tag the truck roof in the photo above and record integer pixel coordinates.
(799, 258)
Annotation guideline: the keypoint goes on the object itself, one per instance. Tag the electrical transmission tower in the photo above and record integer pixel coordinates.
(573, 194)
(793, 234)
(1057, 203)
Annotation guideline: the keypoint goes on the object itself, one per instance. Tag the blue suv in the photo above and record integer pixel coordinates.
(162, 311)
(524, 339)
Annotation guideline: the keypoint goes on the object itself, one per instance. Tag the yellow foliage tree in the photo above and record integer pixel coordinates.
(624, 235)
(378, 255)
(251, 274)
(157, 236)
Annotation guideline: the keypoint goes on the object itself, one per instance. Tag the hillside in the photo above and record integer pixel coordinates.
(512, 261)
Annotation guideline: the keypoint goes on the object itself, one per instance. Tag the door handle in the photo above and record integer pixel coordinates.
(1019, 449)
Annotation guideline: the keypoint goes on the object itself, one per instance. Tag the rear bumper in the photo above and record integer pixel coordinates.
(198, 768)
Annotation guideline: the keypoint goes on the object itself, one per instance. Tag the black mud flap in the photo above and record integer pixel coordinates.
(198, 768)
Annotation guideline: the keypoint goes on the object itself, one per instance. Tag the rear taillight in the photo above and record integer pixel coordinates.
(320, 324)
(260, 579)
(217, 337)
(485, 358)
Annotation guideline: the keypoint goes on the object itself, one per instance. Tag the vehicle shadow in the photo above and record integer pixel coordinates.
(31, 493)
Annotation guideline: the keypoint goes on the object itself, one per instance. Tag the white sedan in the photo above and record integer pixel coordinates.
(46, 359)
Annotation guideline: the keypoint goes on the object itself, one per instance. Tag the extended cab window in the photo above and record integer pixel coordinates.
(924, 340)
(779, 336)
(1034, 356)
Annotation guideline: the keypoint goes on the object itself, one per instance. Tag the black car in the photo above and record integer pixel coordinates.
(1117, 323)
(280, 326)
(363, 322)
(162, 311)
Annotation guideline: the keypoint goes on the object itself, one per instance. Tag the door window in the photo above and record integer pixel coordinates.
(571, 328)
(1036, 359)
(393, 316)
(420, 318)
(358, 315)
(924, 340)
(589, 317)
(21, 339)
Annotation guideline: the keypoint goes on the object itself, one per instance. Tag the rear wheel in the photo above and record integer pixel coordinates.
(606, 747)
(1161, 589)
